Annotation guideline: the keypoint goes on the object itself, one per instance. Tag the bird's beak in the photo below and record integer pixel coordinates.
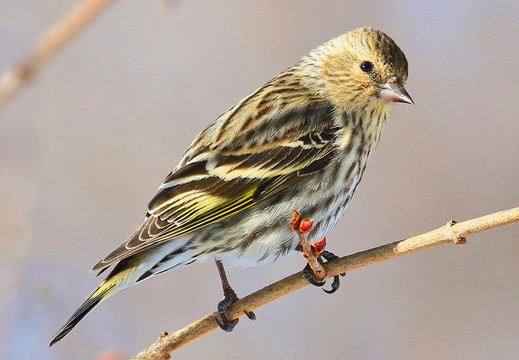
(393, 91)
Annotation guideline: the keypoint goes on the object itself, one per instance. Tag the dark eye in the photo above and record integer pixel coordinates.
(366, 66)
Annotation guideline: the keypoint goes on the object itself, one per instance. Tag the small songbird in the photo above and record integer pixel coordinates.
(300, 142)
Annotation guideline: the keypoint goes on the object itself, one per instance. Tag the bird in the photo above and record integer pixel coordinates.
(299, 142)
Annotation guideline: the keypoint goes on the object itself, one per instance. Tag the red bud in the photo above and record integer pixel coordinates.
(306, 225)
(318, 245)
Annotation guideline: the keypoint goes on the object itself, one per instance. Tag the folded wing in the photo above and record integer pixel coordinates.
(218, 178)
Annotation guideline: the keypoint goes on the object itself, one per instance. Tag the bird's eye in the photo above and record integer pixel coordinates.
(366, 66)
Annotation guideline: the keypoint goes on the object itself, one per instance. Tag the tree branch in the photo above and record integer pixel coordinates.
(452, 232)
(302, 226)
(54, 38)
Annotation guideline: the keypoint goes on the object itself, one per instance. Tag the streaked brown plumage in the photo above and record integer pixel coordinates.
(299, 142)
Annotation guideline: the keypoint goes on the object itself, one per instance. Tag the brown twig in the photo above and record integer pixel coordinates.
(23, 70)
(301, 227)
(452, 232)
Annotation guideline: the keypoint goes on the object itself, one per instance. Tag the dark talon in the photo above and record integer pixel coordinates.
(227, 325)
(229, 298)
(329, 256)
(250, 315)
(223, 305)
(309, 275)
(335, 285)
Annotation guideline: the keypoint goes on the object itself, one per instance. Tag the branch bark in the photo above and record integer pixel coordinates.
(20, 72)
(452, 232)
(296, 223)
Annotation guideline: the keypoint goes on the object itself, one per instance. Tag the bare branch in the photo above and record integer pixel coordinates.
(302, 226)
(54, 38)
(452, 232)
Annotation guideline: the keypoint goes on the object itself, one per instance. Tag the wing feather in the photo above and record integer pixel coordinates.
(216, 178)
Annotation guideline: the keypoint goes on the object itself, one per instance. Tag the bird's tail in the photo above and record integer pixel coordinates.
(107, 288)
(127, 273)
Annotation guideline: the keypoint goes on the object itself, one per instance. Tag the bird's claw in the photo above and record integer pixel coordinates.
(329, 256)
(335, 285)
(309, 275)
(226, 324)
(250, 315)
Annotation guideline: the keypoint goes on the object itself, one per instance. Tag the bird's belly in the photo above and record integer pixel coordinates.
(262, 233)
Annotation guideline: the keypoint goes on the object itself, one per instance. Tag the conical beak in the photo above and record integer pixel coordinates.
(393, 91)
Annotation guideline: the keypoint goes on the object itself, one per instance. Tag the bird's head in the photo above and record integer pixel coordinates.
(360, 68)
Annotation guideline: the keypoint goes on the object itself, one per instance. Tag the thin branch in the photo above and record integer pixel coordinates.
(302, 226)
(53, 39)
(451, 233)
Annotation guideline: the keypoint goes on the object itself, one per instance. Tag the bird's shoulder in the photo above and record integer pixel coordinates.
(280, 113)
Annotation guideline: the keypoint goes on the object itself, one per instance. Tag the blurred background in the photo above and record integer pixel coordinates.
(85, 145)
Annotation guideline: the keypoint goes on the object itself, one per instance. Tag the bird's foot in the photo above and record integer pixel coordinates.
(314, 272)
(309, 275)
(226, 324)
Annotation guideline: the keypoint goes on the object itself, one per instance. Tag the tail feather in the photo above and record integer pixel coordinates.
(127, 273)
(103, 291)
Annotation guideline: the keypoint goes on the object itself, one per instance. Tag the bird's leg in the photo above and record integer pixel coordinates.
(229, 298)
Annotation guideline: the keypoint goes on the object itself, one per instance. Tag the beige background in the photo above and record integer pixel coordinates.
(84, 147)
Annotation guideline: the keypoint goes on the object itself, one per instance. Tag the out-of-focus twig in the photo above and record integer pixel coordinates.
(165, 10)
(451, 233)
(21, 71)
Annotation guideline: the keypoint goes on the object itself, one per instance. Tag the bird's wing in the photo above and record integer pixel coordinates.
(222, 178)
